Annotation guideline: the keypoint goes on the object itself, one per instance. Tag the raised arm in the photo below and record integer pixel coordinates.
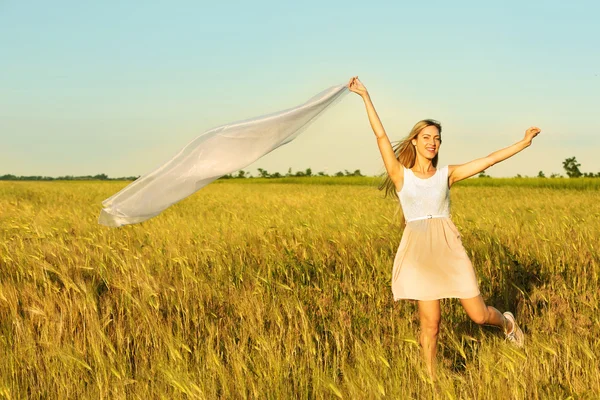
(459, 172)
(392, 165)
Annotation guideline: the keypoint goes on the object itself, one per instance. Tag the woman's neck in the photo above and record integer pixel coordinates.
(422, 165)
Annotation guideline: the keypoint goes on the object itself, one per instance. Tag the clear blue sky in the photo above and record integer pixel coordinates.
(119, 87)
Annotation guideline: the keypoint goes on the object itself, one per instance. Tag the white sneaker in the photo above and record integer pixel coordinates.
(515, 336)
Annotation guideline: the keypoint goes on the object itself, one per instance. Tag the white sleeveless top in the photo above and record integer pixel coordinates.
(428, 197)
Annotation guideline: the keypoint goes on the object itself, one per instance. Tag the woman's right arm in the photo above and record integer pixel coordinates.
(392, 165)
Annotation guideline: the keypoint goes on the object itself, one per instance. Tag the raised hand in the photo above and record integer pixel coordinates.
(356, 86)
(531, 133)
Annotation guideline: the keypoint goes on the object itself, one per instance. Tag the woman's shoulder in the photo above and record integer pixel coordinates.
(402, 170)
(444, 175)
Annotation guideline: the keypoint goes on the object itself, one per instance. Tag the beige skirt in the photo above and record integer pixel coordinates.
(431, 263)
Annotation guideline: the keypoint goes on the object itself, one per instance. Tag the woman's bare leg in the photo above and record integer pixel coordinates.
(482, 314)
(429, 316)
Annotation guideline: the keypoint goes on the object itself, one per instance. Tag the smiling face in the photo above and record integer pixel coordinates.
(428, 142)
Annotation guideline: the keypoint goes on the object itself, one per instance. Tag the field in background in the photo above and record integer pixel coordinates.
(554, 183)
(275, 290)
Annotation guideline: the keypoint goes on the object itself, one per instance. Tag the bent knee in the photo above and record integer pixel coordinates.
(480, 318)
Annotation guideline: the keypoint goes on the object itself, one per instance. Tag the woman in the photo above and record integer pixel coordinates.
(431, 262)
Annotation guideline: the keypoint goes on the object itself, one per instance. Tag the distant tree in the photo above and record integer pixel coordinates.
(308, 172)
(555, 175)
(289, 173)
(541, 174)
(572, 167)
(591, 175)
(518, 176)
(299, 173)
(321, 173)
(483, 175)
(339, 173)
(276, 175)
(263, 173)
(241, 174)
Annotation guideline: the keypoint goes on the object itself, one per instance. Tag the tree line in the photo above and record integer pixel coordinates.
(570, 165)
(262, 173)
(99, 177)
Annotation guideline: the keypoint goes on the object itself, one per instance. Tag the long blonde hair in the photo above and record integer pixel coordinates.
(407, 155)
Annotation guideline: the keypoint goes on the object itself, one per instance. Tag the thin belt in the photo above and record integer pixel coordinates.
(428, 216)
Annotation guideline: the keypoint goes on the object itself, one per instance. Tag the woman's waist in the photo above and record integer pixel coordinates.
(426, 216)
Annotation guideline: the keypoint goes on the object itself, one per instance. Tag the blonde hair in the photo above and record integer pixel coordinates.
(407, 155)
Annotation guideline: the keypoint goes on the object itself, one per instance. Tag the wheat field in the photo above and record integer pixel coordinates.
(274, 291)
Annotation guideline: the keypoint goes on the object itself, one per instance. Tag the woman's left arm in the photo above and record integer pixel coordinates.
(459, 172)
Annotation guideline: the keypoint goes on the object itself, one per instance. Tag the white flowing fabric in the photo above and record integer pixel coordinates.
(217, 152)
